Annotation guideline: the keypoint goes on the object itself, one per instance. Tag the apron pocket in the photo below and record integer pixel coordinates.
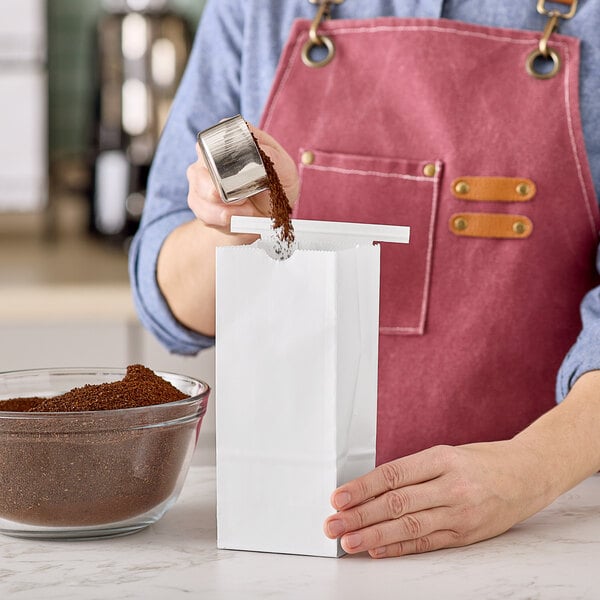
(386, 191)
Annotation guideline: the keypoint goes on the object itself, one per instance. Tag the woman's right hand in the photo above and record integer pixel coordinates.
(185, 269)
(206, 203)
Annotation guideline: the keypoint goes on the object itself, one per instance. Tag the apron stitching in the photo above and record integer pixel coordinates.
(384, 330)
(427, 285)
(300, 184)
(434, 202)
(303, 167)
(410, 28)
(344, 171)
(571, 131)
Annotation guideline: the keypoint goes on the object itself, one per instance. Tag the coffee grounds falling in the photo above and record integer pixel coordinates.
(139, 387)
(92, 469)
(281, 211)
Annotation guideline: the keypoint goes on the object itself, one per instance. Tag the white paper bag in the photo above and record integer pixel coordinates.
(296, 381)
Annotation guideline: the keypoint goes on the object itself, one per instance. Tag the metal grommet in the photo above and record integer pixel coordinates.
(307, 158)
(429, 170)
(309, 45)
(522, 189)
(537, 53)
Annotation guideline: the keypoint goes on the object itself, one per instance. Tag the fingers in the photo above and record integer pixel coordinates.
(410, 470)
(284, 164)
(410, 527)
(434, 541)
(442, 497)
(203, 198)
(401, 507)
(205, 201)
(201, 183)
(389, 506)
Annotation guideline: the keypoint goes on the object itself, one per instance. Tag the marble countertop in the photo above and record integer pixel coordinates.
(553, 555)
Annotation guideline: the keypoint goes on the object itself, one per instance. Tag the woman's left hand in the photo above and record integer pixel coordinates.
(442, 497)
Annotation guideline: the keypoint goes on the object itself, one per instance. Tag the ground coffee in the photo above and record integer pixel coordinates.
(79, 469)
(281, 211)
(139, 387)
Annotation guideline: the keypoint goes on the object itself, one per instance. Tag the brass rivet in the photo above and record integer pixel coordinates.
(308, 158)
(460, 223)
(522, 189)
(519, 227)
(429, 170)
(462, 187)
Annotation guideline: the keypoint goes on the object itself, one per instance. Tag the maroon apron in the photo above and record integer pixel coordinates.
(437, 125)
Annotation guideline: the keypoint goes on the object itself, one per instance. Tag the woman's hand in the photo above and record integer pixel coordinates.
(185, 269)
(442, 497)
(205, 201)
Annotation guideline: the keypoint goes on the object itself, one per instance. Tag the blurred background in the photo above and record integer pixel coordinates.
(86, 89)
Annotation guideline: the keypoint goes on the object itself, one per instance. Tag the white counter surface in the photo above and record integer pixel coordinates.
(553, 555)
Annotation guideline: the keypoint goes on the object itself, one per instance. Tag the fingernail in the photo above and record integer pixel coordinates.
(378, 552)
(353, 540)
(340, 500)
(335, 527)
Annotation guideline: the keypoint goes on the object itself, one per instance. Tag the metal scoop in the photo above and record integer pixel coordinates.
(233, 160)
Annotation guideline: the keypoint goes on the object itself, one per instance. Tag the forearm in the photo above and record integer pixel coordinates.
(566, 440)
(186, 272)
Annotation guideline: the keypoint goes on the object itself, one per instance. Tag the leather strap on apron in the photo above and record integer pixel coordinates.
(478, 311)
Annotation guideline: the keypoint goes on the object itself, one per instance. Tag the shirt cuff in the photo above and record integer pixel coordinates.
(584, 356)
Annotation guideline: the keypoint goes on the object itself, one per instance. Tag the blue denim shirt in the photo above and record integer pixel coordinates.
(230, 71)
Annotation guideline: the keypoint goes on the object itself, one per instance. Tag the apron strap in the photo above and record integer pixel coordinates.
(572, 4)
(555, 14)
(316, 40)
(543, 51)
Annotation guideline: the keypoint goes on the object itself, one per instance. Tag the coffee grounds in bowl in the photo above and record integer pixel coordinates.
(139, 387)
(74, 469)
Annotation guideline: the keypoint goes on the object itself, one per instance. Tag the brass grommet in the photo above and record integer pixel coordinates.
(519, 227)
(537, 53)
(522, 189)
(462, 187)
(307, 158)
(322, 40)
(460, 223)
(429, 170)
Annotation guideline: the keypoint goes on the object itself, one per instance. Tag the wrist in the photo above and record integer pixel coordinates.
(538, 475)
(565, 441)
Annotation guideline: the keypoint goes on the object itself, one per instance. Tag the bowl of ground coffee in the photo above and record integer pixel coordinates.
(87, 453)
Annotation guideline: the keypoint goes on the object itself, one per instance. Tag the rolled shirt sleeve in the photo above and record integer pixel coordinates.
(584, 355)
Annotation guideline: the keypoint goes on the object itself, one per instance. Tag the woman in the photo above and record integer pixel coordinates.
(462, 120)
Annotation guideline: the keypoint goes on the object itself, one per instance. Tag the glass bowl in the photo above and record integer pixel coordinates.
(67, 475)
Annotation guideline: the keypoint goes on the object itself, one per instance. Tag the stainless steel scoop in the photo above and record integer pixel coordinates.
(233, 159)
